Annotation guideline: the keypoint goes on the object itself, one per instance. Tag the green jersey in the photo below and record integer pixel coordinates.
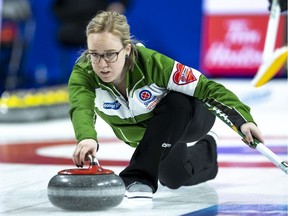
(151, 78)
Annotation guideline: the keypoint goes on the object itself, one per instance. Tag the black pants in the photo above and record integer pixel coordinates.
(163, 154)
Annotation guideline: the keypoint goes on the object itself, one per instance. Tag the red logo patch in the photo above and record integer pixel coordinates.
(183, 75)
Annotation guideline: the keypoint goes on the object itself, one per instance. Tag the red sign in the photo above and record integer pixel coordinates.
(233, 44)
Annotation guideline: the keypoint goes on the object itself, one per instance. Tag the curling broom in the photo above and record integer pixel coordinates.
(271, 61)
(264, 150)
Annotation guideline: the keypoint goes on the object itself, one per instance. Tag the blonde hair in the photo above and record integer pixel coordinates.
(115, 23)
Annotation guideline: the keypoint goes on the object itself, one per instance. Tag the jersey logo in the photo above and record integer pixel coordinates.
(145, 95)
(183, 75)
(149, 100)
(112, 105)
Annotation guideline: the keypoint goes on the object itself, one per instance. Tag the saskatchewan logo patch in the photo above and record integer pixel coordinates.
(183, 75)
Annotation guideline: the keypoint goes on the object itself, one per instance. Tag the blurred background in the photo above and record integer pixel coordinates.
(40, 41)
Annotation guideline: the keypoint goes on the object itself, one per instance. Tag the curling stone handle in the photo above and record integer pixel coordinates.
(93, 169)
(93, 160)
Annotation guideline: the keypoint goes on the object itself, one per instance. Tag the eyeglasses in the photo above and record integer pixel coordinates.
(109, 57)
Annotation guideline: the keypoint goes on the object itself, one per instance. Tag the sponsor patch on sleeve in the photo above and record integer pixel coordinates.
(183, 75)
(183, 79)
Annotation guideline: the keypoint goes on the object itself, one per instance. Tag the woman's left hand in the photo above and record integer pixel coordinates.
(251, 131)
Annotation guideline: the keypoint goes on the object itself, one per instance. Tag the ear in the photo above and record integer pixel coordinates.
(128, 50)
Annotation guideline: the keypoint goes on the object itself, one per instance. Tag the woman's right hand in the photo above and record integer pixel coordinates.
(83, 149)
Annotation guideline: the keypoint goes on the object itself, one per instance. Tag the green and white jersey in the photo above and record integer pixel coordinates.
(152, 77)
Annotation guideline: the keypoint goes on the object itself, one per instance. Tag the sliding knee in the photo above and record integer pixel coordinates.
(171, 180)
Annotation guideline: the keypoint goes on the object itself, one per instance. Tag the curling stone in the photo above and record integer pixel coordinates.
(94, 188)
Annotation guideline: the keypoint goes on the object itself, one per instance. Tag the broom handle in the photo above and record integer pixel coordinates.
(264, 150)
(272, 28)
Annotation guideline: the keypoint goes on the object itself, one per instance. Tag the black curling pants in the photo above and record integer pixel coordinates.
(163, 154)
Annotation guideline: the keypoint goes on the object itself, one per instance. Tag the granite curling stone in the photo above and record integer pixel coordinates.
(89, 189)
